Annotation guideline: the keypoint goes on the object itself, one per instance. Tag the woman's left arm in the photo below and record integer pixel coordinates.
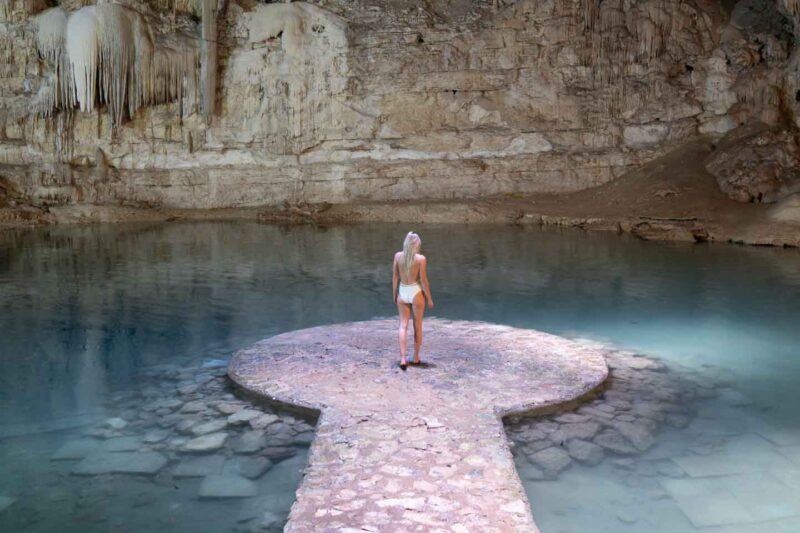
(423, 275)
(394, 280)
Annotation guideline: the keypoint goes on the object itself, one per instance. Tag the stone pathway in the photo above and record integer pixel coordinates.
(421, 450)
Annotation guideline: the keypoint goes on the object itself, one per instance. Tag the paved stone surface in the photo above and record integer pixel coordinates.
(419, 450)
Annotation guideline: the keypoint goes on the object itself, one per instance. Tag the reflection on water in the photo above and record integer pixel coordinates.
(84, 309)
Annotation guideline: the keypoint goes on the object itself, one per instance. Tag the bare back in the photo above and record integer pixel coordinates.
(415, 267)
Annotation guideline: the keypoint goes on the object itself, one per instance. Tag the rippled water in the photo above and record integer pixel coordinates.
(84, 310)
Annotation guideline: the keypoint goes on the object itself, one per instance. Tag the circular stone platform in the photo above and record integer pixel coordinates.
(423, 449)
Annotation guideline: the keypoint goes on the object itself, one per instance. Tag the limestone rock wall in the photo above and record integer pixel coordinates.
(341, 101)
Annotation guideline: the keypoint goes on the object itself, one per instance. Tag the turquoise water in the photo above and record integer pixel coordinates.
(85, 310)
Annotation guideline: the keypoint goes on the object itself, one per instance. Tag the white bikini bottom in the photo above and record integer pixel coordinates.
(408, 292)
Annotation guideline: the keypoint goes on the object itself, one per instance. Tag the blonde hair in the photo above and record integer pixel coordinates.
(410, 248)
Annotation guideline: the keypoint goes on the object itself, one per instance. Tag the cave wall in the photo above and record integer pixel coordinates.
(343, 101)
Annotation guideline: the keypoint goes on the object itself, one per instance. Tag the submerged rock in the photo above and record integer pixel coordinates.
(123, 444)
(552, 459)
(243, 416)
(262, 421)
(116, 423)
(206, 443)
(76, 449)
(253, 467)
(199, 466)
(585, 452)
(120, 463)
(211, 426)
(612, 440)
(227, 486)
(6, 502)
(249, 442)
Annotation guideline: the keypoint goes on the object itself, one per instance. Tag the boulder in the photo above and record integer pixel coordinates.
(762, 168)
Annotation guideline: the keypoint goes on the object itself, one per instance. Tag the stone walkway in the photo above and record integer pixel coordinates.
(421, 450)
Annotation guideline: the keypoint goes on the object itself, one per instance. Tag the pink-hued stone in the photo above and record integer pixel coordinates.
(422, 449)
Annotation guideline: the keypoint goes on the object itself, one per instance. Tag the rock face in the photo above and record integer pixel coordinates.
(376, 100)
(762, 168)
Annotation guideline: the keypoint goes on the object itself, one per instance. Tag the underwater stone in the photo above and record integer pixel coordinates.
(249, 442)
(208, 427)
(206, 443)
(122, 444)
(155, 435)
(253, 467)
(262, 421)
(611, 440)
(6, 502)
(193, 407)
(116, 423)
(120, 463)
(76, 449)
(226, 486)
(199, 466)
(585, 452)
(553, 459)
(243, 416)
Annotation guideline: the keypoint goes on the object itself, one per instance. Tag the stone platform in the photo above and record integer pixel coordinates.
(424, 449)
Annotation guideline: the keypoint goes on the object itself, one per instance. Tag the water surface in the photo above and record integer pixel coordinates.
(84, 310)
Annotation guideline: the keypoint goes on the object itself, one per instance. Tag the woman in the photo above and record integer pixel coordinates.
(410, 268)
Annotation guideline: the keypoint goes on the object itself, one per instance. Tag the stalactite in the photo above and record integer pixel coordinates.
(107, 55)
(209, 57)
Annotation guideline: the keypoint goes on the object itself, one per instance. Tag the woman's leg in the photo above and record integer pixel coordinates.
(419, 311)
(404, 310)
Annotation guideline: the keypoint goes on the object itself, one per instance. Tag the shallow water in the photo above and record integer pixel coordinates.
(85, 310)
